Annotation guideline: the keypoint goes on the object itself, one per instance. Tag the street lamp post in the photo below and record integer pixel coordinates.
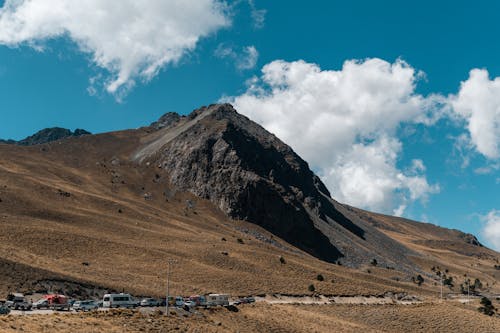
(170, 262)
(468, 293)
(441, 287)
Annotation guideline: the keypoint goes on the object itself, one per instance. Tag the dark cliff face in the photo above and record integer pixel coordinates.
(47, 135)
(249, 174)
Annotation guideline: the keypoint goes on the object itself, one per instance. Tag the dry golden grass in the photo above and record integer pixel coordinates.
(446, 317)
(124, 239)
(106, 222)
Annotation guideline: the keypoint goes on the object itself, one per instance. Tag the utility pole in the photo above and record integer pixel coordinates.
(468, 284)
(170, 262)
(441, 277)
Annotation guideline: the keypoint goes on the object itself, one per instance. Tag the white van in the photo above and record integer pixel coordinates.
(217, 299)
(118, 301)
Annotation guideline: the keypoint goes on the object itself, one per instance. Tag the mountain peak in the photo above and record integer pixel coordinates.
(47, 135)
(167, 120)
(250, 174)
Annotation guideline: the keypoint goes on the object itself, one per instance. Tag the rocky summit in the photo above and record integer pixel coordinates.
(47, 135)
(248, 173)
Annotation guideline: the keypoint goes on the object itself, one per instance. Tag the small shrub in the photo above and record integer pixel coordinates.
(311, 288)
(320, 277)
(282, 260)
(240, 241)
(448, 281)
(465, 287)
(374, 262)
(418, 280)
(477, 284)
(486, 307)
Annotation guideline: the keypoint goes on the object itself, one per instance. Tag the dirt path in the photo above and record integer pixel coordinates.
(323, 300)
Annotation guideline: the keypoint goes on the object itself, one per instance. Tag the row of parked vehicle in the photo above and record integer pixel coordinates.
(17, 301)
(127, 301)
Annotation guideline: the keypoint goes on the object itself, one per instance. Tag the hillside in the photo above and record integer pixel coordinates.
(223, 197)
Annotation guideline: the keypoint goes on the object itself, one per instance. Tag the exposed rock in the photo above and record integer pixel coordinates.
(249, 174)
(47, 135)
(167, 120)
(471, 239)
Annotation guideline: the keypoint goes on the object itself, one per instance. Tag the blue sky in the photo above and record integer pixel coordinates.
(54, 72)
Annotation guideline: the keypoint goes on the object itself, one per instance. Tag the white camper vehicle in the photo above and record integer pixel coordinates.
(118, 301)
(217, 299)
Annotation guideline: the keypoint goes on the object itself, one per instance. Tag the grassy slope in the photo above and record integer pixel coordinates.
(50, 234)
(106, 222)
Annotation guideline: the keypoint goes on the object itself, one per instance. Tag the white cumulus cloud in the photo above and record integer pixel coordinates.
(344, 123)
(132, 39)
(491, 229)
(478, 103)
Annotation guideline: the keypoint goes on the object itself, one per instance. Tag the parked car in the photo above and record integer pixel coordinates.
(118, 301)
(4, 310)
(85, 305)
(149, 302)
(57, 302)
(41, 304)
(199, 300)
(179, 301)
(244, 300)
(189, 304)
(17, 301)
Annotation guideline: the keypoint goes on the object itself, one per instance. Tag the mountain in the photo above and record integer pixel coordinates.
(47, 135)
(249, 174)
(237, 208)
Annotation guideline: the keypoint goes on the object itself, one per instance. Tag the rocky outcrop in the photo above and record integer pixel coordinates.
(167, 120)
(251, 175)
(470, 239)
(47, 135)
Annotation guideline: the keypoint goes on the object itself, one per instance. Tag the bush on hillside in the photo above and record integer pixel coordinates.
(486, 307)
